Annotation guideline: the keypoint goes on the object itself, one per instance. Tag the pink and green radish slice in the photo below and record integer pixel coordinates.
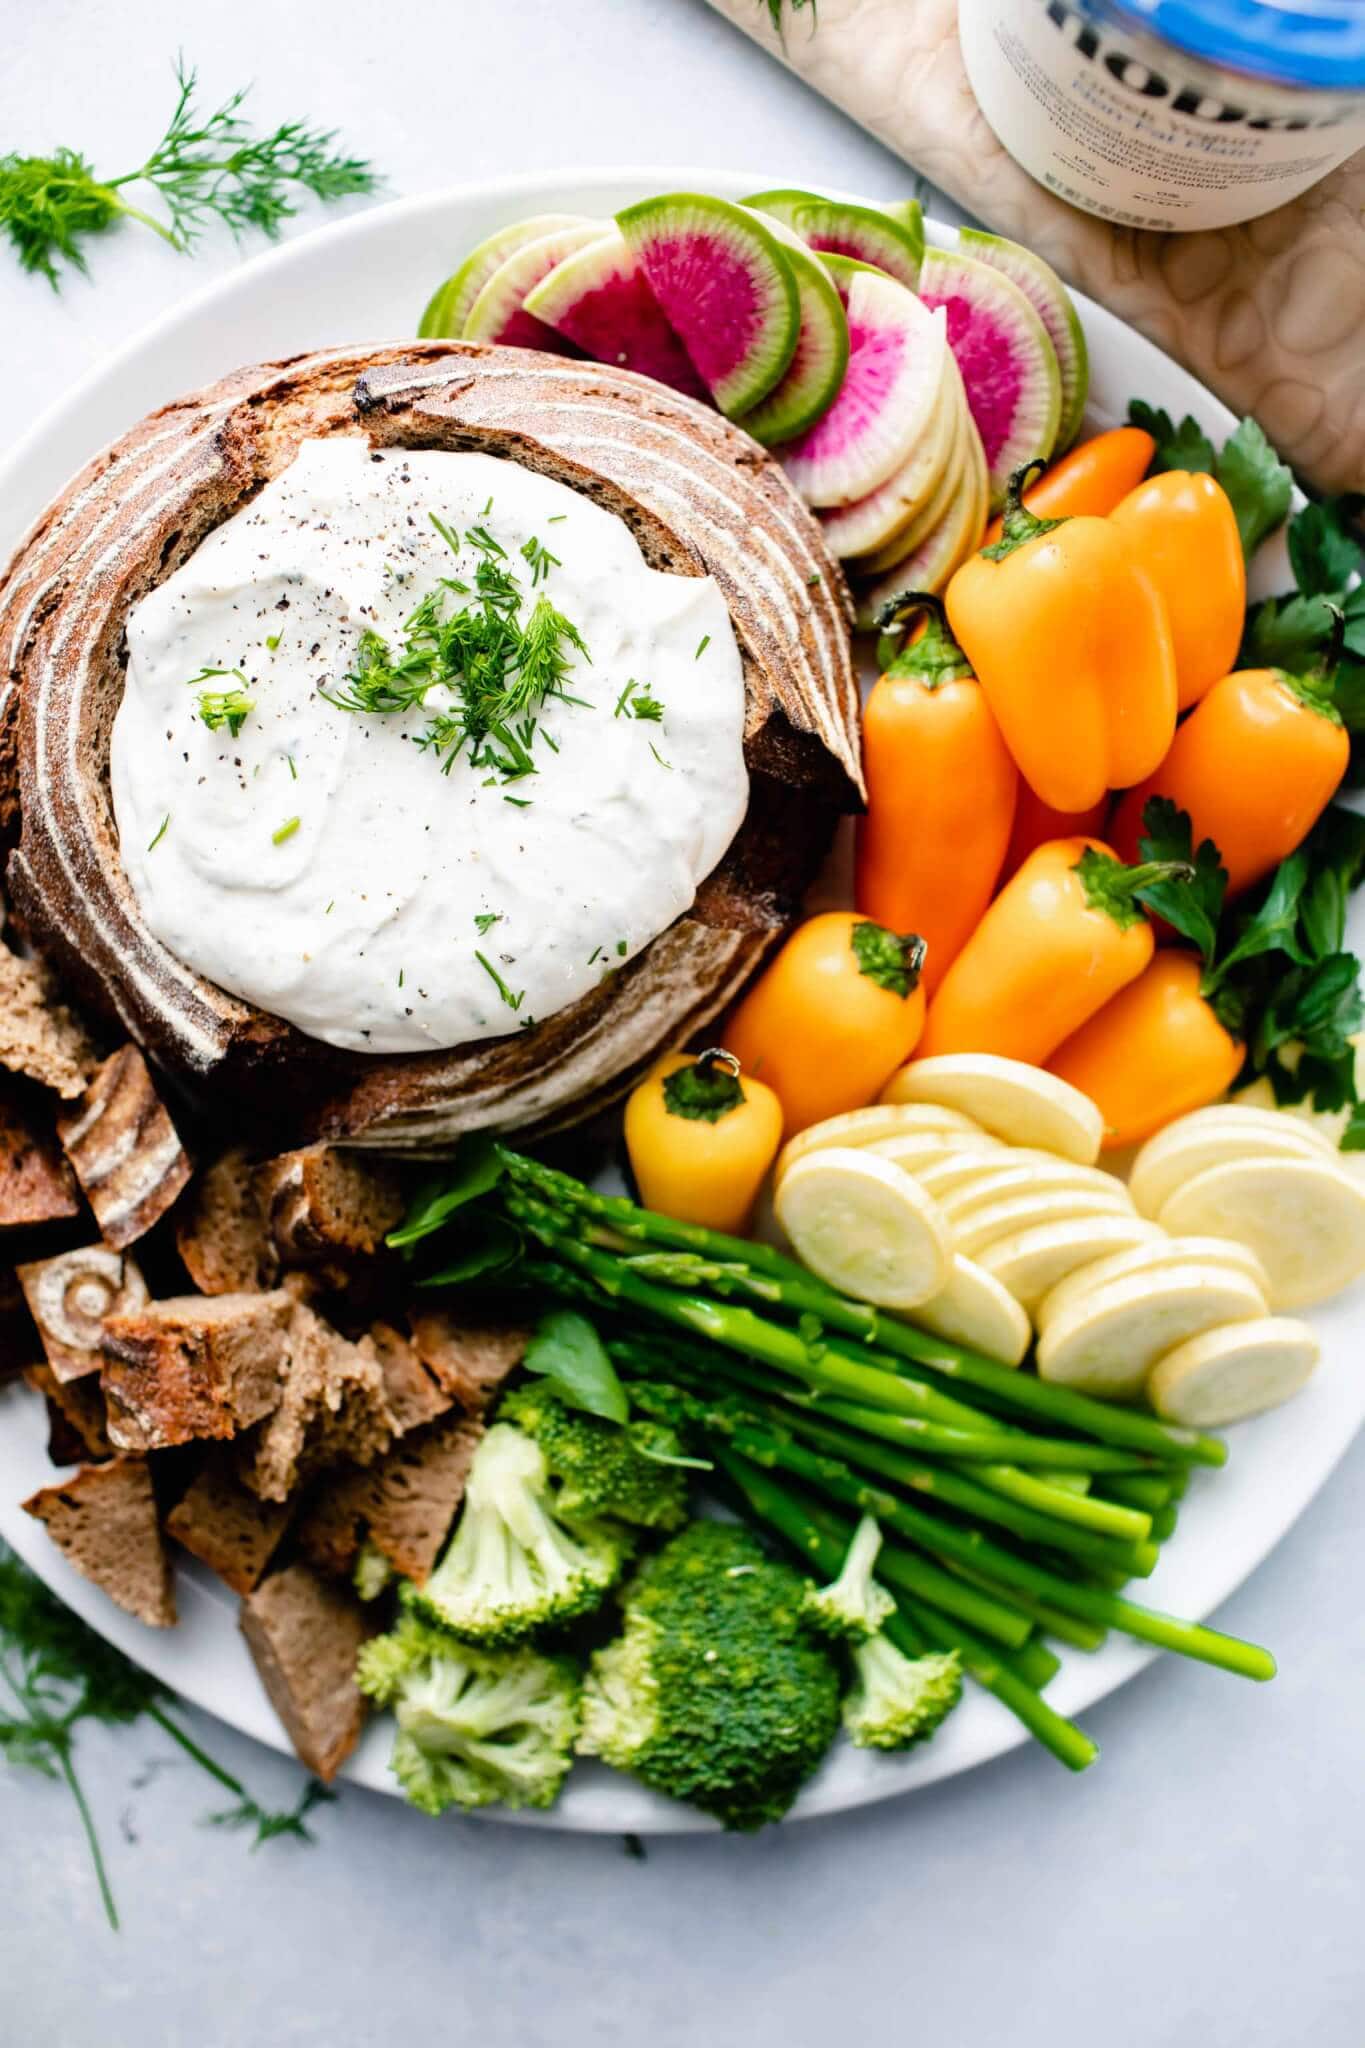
(498, 313)
(1051, 301)
(895, 366)
(892, 241)
(1014, 387)
(726, 289)
(448, 308)
(816, 371)
(869, 523)
(599, 299)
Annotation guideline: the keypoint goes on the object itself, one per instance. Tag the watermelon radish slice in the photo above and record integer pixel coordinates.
(497, 313)
(599, 299)
(895, 366)
(892, 241)
(1014, 387)
(448, 308)
(725, 287)
(1051, 301)
(816, 371)
(932, 564)
(871, 522)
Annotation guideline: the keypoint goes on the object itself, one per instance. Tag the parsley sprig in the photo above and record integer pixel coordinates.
(499, 667)
(205, 167)
(1258, 484)
(56, 1673)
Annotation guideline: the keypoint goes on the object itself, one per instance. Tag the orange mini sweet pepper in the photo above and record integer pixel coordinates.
(940, 796)
(1036, 822)
(1069, 637)
(1060, 939)
(828, 1023)
(1255, 764)
(1184, 533)
(1155, 1051)
(1093, 477)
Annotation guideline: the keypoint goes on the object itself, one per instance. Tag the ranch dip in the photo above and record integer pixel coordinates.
(384, 896)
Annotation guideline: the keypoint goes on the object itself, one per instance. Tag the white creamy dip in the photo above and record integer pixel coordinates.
(363, 921)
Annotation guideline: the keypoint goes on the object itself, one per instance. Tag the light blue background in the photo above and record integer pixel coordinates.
(1201, 1888)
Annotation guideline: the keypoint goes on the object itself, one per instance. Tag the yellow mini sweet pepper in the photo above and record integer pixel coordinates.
(701, 1136)
(1070, 640)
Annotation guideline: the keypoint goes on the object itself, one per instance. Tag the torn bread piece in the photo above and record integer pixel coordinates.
(405, 1503)
(124, 1148)
(39, 1035)
(195, 1366)
(37, 1187)
(469, 1360)
(320, 1203)
(20, 1344)
(304, 1634)
(104, 1522)
(70, 1296)
(220, 1230)
(412, 1394)
(227, 1527)
(331, 1407)
(84, 1423)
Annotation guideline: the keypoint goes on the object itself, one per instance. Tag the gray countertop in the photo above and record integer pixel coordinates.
(1203, 1885)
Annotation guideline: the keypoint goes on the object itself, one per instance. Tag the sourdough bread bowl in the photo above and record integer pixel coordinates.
(699, 497)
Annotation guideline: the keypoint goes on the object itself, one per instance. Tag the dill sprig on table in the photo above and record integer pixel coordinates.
(205, 167)
(56, 1673)
(499, 668)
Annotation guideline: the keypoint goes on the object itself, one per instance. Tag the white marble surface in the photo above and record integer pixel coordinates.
(1201, 1886)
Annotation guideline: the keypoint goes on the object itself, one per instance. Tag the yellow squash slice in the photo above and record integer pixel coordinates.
(864, 1226)
(1017, 1102)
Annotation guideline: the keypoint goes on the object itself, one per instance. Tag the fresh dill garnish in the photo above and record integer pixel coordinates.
(487, 509)
(540, 559)
(293, 771)
(636, 702)
(330, 907)
(555, 518)
(160, 832)
(523, 803)
(596, 954)
(400, 977)
(272, 641)
(512, 1002)
(285, 831)
(57, 1673)
(621, 948)
(659, 757)
(702, 645)
(485, 921)
(205, 167)
(498, 667)
(219, 708)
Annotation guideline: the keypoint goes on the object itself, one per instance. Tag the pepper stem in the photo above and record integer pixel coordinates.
(935, 656)
(1018, 524)
(1316, 687)
(1113, 888)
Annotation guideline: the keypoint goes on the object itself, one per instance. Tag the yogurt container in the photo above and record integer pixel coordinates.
(1170, 114)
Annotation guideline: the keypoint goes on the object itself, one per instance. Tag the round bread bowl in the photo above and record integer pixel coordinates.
(700, 497)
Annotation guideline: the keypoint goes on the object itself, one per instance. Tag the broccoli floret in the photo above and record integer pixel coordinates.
(852, 1607)
(372, 1571)
(716, 1692)
(634, 1471)
(475, 1727)
(512, 1566)
(895, 1700)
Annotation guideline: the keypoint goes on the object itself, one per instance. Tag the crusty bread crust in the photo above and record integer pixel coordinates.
(700, 497)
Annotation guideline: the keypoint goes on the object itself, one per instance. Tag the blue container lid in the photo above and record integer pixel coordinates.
(1313, 43)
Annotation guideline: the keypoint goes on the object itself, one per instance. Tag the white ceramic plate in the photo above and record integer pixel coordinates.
(366, 280)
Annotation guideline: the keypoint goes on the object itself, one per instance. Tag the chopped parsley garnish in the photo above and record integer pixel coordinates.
(272, 641)
(512, 1002)
(636, 702)
(160, 832)
(621, 948)
(285, 831)
(219, 708)
(540, 559)
(500, 668)
(485, 921)
(702, 646)
(813, 582)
